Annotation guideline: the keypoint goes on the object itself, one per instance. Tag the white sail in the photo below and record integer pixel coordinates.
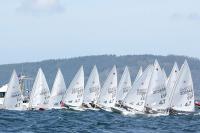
(165, 76)
(183, 97)
(124, 85)
(13, 98)
(156, 96)
(74, 94)
(40, 92)
(58, 91)
(171, 82)
(139, 74)
(136, 97)
(107, 96)
(92, 88)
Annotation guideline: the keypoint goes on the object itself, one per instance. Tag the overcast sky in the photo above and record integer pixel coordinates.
(34, 30)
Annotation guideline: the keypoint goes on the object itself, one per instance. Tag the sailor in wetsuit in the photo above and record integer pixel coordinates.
(92, 104)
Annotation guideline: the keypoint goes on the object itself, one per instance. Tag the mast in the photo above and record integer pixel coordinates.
(25, 82)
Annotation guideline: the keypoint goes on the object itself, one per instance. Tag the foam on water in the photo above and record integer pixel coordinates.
(63, 121)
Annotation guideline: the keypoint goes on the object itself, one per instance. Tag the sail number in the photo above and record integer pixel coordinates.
(163, 89)
(94, 89)
(186, 90)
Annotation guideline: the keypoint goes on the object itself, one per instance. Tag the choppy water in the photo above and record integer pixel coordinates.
(94, 121)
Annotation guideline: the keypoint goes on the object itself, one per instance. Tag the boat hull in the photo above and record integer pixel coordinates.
(118, 110)
(72, 108)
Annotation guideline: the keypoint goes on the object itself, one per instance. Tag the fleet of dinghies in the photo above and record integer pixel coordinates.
(152, 92)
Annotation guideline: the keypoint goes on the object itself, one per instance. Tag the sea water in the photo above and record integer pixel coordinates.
(63, 121)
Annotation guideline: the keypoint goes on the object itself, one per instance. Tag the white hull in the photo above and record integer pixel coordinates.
(118, 110)
(57, 108)
(107, 109)
(93, 109)
(126, 112)
(73, 108)
(38, 108)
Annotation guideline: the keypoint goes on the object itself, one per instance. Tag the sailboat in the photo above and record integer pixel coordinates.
(57, 92)
(119, 107)
(92, 90)
(13, 99)
(73, 97)
(134, 103)
(40, 94)
(171, 83)
(156, 95)
(124, 86)
(183, 95)
(107, 96)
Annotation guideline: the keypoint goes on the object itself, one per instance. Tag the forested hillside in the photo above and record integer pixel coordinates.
(104, 64)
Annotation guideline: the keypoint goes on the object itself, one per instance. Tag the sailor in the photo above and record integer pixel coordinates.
(63, 104)
(92, 104)
(85, 105)
(147, 109)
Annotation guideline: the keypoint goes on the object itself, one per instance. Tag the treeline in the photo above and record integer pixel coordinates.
(104, 64)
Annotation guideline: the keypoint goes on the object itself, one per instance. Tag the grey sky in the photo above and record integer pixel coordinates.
(33, 30)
